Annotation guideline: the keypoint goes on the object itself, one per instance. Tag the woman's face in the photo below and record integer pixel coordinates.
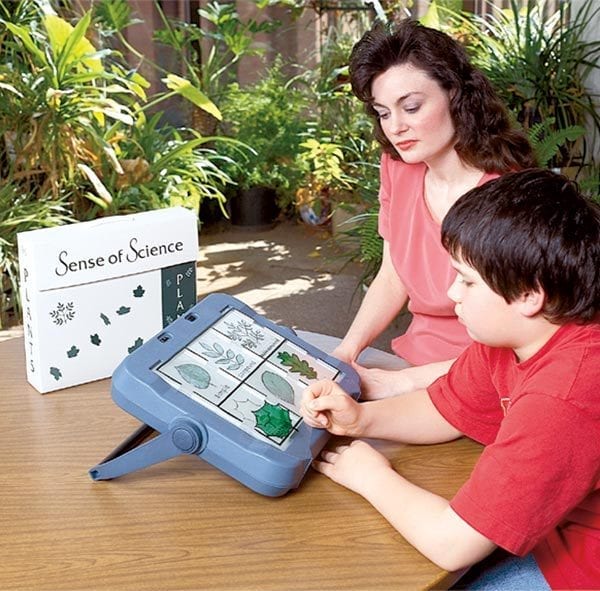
(414, 114)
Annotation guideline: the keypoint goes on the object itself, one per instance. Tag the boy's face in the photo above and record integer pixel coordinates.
(489, 319)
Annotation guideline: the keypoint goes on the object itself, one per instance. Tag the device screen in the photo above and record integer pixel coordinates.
(249, 374)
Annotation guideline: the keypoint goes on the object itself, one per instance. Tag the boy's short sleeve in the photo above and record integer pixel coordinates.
(467, 398)
(543, 463)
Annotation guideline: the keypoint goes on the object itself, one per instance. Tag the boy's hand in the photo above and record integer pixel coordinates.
(326, 405)
(357, 466)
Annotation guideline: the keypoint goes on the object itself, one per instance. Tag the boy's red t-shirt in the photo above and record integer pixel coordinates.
(536, 486)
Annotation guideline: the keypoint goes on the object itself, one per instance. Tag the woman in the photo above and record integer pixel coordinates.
(443, 131)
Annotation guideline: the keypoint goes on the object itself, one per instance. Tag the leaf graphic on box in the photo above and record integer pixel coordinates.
(123, 310)
(63, 313)
(95, 339)
(105, 319)
(297, 365)
(56, 373)
(139, 292)
(194, 374)
(138, 343)
(72, 352)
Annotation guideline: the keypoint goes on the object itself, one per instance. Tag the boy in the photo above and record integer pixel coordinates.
(526, 248)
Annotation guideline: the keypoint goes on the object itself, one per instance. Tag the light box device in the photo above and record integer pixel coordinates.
(225, 384)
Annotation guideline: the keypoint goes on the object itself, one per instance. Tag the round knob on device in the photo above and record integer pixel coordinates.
(186, 436)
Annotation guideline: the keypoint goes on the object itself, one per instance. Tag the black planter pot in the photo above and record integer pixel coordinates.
(254, 208)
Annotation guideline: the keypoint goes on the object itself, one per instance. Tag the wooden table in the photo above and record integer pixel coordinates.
(182, 524)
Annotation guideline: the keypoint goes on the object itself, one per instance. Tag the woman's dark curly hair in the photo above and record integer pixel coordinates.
(485, 138)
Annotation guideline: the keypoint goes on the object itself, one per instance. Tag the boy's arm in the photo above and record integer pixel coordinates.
(410, 418)
(423, 518)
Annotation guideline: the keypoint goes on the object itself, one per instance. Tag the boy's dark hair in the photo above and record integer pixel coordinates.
(485, 138)
(528, 230)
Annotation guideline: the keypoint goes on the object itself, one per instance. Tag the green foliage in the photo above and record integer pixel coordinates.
(539, 64)
(230, 39)
(547, 141)
(365, 242)
(19, 213)
(73, 126)
(165, 167)
(269, 117)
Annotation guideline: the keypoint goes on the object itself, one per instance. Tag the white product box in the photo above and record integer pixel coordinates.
(94, 291)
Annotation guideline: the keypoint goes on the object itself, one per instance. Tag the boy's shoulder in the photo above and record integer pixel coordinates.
(567, 367)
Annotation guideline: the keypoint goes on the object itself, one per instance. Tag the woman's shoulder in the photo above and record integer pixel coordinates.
(398, 169)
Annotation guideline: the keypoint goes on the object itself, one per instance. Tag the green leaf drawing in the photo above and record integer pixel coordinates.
(123, 310)
(194, 374)
(56, 373)
(95, 339)
(72, 352)
(222, 357)
(105, 319)
(273, 420)
(139, 292)
(297, 365)
(278, 386)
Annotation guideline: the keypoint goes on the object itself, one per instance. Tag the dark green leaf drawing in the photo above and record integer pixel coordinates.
(105, 319)
(123, 310)
(194, 374)
(278, 386)
(273, 420)
(138, 343)
(95, 339)
(56, 373)
(297, 365)
(72, 352)
(139, 292)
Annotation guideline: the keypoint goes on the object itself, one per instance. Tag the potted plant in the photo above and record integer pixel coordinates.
(268, 118)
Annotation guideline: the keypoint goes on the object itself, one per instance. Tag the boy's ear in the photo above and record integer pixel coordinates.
(531, 303)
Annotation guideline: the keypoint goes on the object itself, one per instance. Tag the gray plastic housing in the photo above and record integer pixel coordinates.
(189, 427)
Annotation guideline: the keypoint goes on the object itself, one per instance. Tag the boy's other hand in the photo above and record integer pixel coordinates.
(357, 466)
(327, 406)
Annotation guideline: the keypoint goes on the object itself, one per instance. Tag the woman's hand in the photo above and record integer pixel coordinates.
(383, 383)
(325, 405)
(345, 353)
(357, 466)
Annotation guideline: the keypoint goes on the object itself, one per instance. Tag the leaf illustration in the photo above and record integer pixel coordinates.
(123, 310)
(194, 374)
(139, 292)
(56, 373)
(278, 386)
(95, 339)
(297, 365)
(273, 420)
(105, 319)
(72, 352)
